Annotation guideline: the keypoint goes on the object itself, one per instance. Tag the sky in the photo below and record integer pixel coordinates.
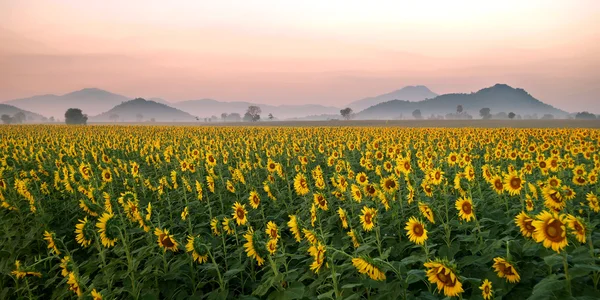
(296, 52)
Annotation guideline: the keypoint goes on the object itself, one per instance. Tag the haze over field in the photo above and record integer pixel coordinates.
(330, 53)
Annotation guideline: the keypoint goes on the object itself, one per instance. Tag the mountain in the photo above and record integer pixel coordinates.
(128, 112)
(410, 93)
(90, 100)
(10, 110)
(499, 98)
(208, 107)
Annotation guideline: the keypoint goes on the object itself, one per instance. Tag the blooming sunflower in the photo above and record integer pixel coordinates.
(342, 213)
(185, 213)
(239, 213)
(444, 277)
(367, 219)
(300, 184)
(254, 199)
(83, 232)
(553, 198)
(365, 267)
(465, 208)
(497, 184)
(525, 223)
(426, 212)
(310, 236)
(230, 186)
(272, 246)
(436, 176)
(593, 202)
(356, 193)
(74, 284)
(198, 250)
(577, 228)
(550, 230)
(362, 178)
(486, 289)
(250, 247)
(166, 240)
(49, 237)
(107, 229)
(389, 184)
(272, 231)
(513, 183)
(529, 203)
(317, 251)
(294, 228)
(415, 230)
(504, 269)
(320, 201)
(313, 215)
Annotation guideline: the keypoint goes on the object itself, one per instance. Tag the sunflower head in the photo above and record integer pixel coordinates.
(465, 208)
(550, 229)
(415, 229)
(367, 219)
(240, 213)
(505, 269)
(166, 240)
(486, 289)
(443, 275)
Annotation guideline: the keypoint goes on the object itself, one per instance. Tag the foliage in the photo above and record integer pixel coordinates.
(74, 116)
(346, 113)
(167, 212)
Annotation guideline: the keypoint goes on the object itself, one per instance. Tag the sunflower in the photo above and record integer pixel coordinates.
(210, 182)
(362, 178)
(427, 188)
(74, 284)
(444, 277)
(107, 229)
(83, 232)
(389, 184)
(529, 203)
(486, 289)
(300, 184)
(367, 219)
(356, 193)
(525, 224)
(106, 175)
(272, 246)
(317, 251)
(185, 213)
(553, 198)
(198, 250)
(504, 269)
(554, 181)
(593, 202)
(352, 236)
(410, 196)
(465, 208)
(568, 192)
(254, 199)
(239, 213)
(436, 176)
(577, 228)
(230, 186)
(17, 272)
(370, 190)
(343, 217)
(214, 226)
(513, 183)
(497, 184)
(550, 230)
(166, 240)
(96, 295)
(426, 212)
(250, 247)
(320, 201)
(272, 231)
(310, 236)
(533, 190)
(294, 228)
(228, 226)
(64, 266)
(415, 230)
(49, 237)
(365, 267)
(313, 215)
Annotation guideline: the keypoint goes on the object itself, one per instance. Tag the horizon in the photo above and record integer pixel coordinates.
(273, 53)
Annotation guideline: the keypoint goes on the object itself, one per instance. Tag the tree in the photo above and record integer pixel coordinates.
(511, 115)
(253, 112)
(584, 115)
(6, 119)
(19, 117)
(113, 117)
(139, 117)
(74, 116)
(459, 109)
(547, 117)
(234, 117)
(346, 113)
(271, 117)
(51, 119)
(417, 114)
(485, 113)
(224, 117)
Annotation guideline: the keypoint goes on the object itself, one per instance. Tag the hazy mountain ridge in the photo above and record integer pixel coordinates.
(147, 109)
(10, 110)
(409, 93)
(499, 98)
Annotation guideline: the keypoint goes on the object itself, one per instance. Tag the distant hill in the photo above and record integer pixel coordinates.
(208, 107)
(128, 112)
(10, 110)
(90, 100)
(499, 98)
(409, 93)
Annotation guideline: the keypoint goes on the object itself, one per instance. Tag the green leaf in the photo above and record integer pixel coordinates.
(351, 285)
(232, 272)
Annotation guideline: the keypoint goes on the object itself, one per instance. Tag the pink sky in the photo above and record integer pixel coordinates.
(284, 52)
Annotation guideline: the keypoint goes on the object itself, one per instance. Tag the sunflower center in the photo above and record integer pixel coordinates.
(486, 289)
(240, 213)
(498, 184)
(578, 227)
(166, 241)
(368, 218)
(418, 229)
(407, 166)
(542, 164)
(515, 183)
(466, 207)
(554, 231)
(529, 226)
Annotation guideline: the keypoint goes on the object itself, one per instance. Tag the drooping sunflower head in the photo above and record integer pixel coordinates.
(214, 226)
(108, 229)
(426, 212)
(84, 231)
(294, 228)
(578, 228)
(49, 237)
(317, 251)
(320, 201)
(525, 224)
(368, 267)
(228, 226)
(252, 247)
(593, 201)
(553, 199)
(195, 245)
(465, 208)
(505, 269)
(389, 184)
(166, 240)
(415, 229)
(300, 184)
(550, 229)
(240, 213)
(443, 275)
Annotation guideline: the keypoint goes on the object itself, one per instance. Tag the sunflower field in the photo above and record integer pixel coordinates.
(174, 212)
